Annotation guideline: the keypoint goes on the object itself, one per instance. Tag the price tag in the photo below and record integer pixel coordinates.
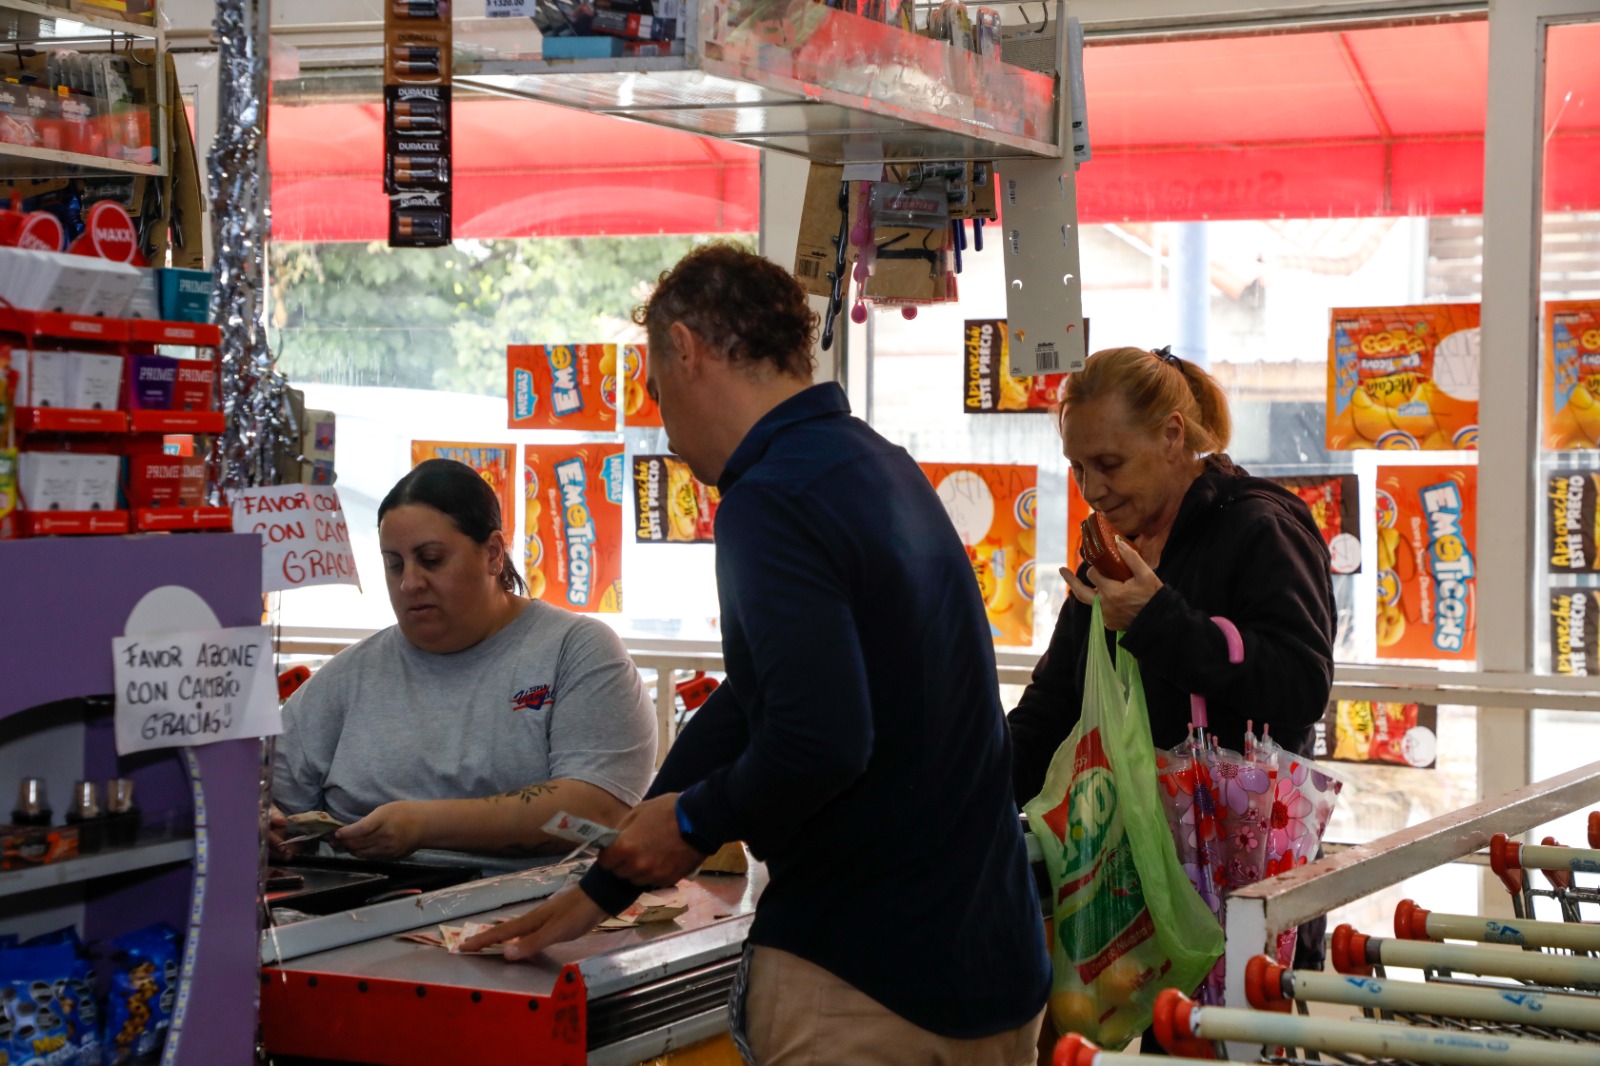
(178, 690)
(509, 9)
(304, 538)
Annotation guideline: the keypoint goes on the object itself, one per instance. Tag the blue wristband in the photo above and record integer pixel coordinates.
(690, 837)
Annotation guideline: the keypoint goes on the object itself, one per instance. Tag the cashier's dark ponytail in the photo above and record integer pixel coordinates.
(1153, 385)
(460, 493)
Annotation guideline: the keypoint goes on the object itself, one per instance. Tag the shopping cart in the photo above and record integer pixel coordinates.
(1517, 993)
(1559, 866)
(1185, 1028)
(1355, 954)
(1074, 1050)
(1512, 1011)
(1412, 922)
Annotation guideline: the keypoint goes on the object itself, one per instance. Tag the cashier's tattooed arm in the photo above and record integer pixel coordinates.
(527, 794)
(509, 824)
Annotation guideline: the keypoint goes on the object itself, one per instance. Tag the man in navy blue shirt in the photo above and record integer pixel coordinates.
(858, 745)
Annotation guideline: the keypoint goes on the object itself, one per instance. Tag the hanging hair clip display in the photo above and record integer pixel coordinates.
(836, 282)
(901, 239)
(861, 241)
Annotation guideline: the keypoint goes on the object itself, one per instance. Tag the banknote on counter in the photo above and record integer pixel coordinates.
(647, 910)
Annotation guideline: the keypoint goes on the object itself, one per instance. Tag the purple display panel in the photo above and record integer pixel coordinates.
(67, 599)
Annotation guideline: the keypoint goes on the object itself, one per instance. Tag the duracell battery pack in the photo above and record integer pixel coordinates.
(420, 220)
(416, 138)
(415, 60)
(412, 57)
(420, 171)
(416, 116)
(416, 97)
(419, 10)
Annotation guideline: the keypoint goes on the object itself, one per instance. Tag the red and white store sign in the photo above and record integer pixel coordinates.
(42, 231)
(37, 230)
(109, 234)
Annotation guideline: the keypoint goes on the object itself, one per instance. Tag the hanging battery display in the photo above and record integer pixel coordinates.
(416, 173)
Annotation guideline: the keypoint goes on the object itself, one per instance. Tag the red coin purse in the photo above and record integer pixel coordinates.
(1099, 548)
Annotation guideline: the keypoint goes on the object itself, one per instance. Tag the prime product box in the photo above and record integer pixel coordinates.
(185, 294)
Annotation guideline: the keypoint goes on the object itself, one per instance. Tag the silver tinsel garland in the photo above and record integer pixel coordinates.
(252, 392)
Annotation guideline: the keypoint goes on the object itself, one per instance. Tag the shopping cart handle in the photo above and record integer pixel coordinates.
(1560, 880)
(1349, 952)
(1074, 1050)
(1264, 982)
(1505, 859)
(1410, 921)
(1173, 1025)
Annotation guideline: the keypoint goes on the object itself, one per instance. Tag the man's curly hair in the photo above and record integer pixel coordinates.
(744, 306)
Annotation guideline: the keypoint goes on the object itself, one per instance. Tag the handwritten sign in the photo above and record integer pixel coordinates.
(177, 690)
(304, 538)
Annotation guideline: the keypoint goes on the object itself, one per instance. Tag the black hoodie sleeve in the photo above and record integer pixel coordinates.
(1051, 704)
(1281, 601)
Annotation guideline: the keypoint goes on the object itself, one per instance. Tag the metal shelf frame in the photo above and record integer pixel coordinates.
(23, 22)
(95, 19)
(101, 864)
(837, 88)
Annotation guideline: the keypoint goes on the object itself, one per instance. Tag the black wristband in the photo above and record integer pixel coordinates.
(686, 830)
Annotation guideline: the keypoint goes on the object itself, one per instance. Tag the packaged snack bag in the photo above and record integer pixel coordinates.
(76, 998)
(1403, 378)
(1128, 923)
(144, 991)
(37, 998)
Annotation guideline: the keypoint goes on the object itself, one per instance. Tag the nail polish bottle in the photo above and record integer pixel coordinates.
(33, 807)
(87, 816)
(123, 818)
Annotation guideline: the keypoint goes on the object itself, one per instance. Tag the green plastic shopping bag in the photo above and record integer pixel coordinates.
(1127, 921)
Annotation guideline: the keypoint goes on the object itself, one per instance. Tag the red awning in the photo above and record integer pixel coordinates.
(1348, 123)
(1351, 123)
(521, 169)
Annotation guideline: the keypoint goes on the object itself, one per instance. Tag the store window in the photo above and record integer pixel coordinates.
(562, 222)
(1567, 589)
(1241, 188)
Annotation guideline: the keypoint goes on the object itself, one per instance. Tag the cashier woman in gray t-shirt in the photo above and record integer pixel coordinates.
(475, 717)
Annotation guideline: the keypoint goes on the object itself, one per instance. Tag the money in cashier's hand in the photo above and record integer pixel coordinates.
(312, 825)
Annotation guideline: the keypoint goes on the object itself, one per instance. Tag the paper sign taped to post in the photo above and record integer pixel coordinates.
(177, 690)
(304, 538)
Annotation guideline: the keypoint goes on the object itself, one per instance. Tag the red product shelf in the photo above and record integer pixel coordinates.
(57, 523)
(71, 327)
(86, 327)
(150, 519)
(69, 420)
(178, 421)
(200, 334)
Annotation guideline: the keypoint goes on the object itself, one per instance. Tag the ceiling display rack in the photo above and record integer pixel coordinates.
(808, 80)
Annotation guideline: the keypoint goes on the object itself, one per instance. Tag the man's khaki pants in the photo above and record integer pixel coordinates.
(798, 1014)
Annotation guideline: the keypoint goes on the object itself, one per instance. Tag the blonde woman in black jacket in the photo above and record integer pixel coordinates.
(1230, 597)
(1219, 558)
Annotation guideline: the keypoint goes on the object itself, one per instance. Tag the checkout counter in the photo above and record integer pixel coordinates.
(341, 986)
